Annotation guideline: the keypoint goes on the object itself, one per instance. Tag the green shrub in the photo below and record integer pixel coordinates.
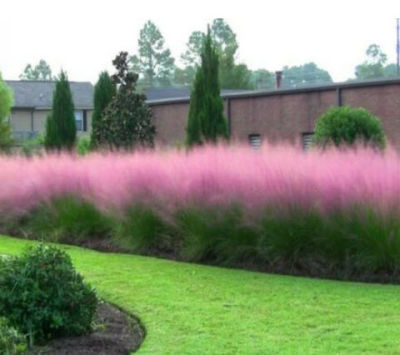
(44, 297)
(33, 146)
(142, 230)
(68, 219)
(346, 125)
(12, 342)
(83, 145)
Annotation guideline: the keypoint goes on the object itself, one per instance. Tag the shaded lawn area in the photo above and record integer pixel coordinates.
(195, 309)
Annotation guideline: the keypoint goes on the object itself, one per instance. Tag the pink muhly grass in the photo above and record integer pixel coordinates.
(280, 176)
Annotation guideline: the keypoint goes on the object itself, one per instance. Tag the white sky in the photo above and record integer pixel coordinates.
(83, 36)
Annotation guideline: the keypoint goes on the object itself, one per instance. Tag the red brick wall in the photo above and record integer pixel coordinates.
(284, 117)
(278, 117)
(170, 121)
(383, 101)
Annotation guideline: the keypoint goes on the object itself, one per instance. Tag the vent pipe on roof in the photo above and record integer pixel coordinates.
(278, 79)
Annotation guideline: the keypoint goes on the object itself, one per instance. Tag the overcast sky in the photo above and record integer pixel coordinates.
(83, 36)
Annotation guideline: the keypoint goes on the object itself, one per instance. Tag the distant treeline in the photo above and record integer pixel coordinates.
(158, 68)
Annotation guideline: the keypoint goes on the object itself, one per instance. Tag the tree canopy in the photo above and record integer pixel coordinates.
(304, 74)
(231, 74)
(262, 79)
(375, 65)
(41, 71)
(154, 62)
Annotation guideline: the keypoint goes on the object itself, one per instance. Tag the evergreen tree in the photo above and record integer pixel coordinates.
(126, 122)
(206, 119)
(104, 91)
(60, 125)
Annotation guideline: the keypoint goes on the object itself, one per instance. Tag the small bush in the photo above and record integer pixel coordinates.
(12, 342)
(346, 125)
(44, 297)
(83, 145)
(30, 147)
(68, 219)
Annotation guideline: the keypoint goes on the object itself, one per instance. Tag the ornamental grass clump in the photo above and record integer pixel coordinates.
(332, 212)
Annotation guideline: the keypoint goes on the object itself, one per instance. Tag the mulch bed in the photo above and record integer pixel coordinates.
(116, 333)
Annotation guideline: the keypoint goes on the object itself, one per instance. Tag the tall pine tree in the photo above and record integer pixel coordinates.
(154, 61)
(60, 124)
(206, 123)
(104, 91)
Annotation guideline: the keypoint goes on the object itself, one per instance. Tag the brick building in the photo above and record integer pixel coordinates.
(285, 115)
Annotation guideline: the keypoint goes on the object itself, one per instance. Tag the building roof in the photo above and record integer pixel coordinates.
(155, 94)
(238, 94)
(38, 94)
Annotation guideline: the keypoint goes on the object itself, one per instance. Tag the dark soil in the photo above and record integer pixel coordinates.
(116, 333)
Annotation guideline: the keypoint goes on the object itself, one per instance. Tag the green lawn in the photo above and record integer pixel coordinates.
(194, 309)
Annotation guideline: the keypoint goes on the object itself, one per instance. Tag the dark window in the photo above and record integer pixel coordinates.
(85, 120)
(307, 140)
(79, 120)
(255, 140)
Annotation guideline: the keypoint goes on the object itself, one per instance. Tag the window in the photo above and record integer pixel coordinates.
(307, 140)
(255, 140)
(79, 120)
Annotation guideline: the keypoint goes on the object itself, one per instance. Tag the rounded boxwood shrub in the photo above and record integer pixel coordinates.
(347, 126)
(12, 342)
(43, 296)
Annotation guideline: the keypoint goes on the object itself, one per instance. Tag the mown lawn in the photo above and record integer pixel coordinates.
(194, 309)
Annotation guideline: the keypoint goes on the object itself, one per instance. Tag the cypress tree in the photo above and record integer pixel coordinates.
(60, 124)
(206, 123)
(104, 91)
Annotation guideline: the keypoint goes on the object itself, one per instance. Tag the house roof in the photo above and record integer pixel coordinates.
(38, 94)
